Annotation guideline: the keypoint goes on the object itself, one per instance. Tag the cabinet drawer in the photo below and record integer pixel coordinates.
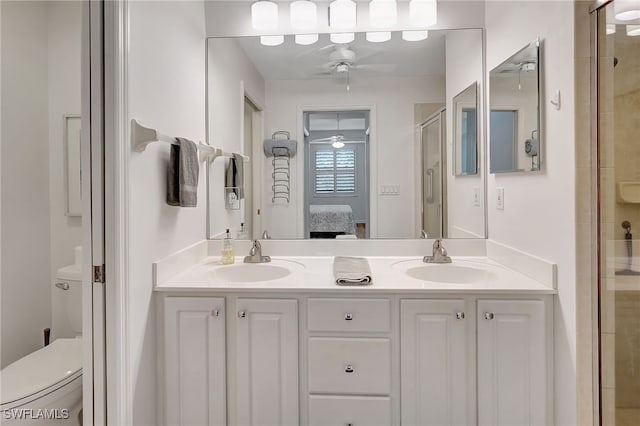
(361, 315)
(349, 366)
(349, 411)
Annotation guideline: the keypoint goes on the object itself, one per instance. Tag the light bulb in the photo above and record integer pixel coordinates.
(306, 39)
(274, 40)
(633, 30)
(423, 13)
(264, 15)
(338, 144)
(342, 38)
(415, 35)
(378, 36)
(626, 10)
(383, 13)
(303, 15)
(342, 14)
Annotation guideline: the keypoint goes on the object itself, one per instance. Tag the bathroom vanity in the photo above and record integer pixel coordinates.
(473, 347)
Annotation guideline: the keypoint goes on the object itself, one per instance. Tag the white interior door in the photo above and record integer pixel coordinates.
(92, 171)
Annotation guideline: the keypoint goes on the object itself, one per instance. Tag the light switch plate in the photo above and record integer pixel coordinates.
(500, 198)
(389, 190)
(476, 196)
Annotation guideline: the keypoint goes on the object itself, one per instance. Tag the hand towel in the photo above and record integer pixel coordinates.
(234, 177)
(182, 185)
(351, 270)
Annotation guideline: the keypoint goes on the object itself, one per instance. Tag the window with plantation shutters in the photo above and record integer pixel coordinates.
(335, 171)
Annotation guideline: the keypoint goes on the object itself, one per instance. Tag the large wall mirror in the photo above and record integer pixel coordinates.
(347, 138)
(514, 120)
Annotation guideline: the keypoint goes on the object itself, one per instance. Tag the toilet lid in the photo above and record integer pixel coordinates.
(41, 370)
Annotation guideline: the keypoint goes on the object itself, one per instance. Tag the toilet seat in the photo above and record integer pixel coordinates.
(41, 373)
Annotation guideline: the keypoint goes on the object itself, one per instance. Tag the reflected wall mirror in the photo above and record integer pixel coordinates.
(348, 140)
(465, 131)
(514, 119)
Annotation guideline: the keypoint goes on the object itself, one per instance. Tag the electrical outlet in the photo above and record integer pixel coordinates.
(500, 198)
(476, 196)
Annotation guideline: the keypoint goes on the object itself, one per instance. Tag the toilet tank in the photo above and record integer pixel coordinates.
(69, 282)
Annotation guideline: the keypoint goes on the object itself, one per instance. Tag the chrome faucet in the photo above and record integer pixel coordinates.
(255, 254)
(439, 254)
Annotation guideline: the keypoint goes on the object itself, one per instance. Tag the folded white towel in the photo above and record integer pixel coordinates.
(351, 270)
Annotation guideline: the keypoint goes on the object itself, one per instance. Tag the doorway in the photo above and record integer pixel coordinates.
(433, 172)
(336, 174)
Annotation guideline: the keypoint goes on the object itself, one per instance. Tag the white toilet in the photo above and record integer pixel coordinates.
(45, 387)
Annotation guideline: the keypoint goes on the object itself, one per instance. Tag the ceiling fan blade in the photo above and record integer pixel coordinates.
(314, 50)
(376, 67)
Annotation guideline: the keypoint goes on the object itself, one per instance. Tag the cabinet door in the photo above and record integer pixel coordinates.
(194, 367)
(433, 363)
(267, 362)
(512, 363)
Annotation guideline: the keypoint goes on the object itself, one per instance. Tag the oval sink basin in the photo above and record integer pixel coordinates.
(448, 273)
(251, 272)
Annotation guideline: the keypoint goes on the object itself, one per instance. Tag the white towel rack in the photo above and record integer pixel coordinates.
(141, 136)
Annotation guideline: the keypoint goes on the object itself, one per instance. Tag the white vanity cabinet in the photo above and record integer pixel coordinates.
(266, 359)
(513, 363)
(433, 359)
(194, 361)
(357, 359)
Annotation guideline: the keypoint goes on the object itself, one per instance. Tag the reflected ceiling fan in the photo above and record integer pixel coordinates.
(337, 140)
(343, 61)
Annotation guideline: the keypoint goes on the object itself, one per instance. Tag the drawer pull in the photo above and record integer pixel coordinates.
(242, 314)
(348, 369)
(488, 316)
(350, 424)
(460, 315)
(348, 317)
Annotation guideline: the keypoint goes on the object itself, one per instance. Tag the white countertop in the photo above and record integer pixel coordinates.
(315, 274)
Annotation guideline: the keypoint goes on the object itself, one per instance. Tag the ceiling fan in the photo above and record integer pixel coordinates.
(337, 140)
(343, 60)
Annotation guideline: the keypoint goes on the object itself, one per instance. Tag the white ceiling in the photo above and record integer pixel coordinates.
(290, 61)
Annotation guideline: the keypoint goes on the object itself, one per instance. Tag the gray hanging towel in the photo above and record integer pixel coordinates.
(182, 184)
(234, 177)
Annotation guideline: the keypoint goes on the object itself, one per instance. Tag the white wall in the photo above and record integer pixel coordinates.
(392, 162)
(232, 76)
(166, 83)
(539, 208)
(26, 284)
(64, 22)
(464, 66)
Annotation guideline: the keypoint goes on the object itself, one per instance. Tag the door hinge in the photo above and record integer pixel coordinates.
(98, 274)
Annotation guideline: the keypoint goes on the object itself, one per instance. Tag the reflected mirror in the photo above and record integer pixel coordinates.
(514, 121)
(345, 140)
(465, 128)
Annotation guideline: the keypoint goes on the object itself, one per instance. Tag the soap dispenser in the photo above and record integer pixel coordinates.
(242, 233)
(228, 254)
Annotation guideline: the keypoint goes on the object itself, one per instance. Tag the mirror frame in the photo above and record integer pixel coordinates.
(537, 44)
(456, 131)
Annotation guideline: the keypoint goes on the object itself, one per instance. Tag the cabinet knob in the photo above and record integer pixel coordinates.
(215, 313)
(348, 369)
(488, 316)
(460, 315)
(350, 424)
(348, 316)
(242, 314)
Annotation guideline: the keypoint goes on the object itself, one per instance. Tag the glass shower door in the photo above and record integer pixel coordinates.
(619, 216)
(432, 176)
